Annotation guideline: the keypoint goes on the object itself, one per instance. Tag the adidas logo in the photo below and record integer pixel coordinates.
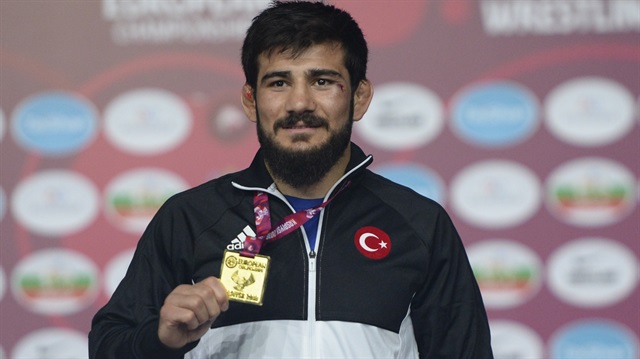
(238, 242)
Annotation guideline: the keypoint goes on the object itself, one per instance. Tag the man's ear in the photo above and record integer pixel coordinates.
(361, 99)
(248, 100)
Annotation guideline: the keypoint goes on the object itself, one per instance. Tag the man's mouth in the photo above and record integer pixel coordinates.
(303, 121)
(300, 125)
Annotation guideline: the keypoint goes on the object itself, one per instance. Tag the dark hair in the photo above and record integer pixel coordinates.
(298, 25)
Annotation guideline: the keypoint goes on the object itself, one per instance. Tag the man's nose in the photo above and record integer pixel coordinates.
(300, 99)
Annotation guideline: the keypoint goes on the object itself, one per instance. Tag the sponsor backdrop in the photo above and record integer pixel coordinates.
(520, 117)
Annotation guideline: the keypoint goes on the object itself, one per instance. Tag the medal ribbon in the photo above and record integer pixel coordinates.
(287, 225)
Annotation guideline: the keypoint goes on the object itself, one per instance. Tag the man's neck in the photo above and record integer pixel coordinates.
(320, 188)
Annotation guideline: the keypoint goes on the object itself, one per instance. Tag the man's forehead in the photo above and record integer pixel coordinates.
(289, 53)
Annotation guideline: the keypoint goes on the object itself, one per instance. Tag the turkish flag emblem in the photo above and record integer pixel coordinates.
(372, 242)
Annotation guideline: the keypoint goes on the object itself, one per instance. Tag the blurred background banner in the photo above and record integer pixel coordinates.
(519, 116)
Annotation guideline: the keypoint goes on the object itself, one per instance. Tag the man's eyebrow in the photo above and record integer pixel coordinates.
(324, 72)
(273, 74)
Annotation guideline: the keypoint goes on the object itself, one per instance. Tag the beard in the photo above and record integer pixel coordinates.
(304, 168)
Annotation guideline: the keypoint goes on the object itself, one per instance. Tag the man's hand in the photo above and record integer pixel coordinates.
(189, 310)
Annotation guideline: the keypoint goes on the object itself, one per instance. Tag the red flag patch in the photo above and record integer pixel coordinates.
(372, 242)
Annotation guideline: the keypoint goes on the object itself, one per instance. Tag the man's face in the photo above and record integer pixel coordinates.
(316, 84)
(304, 109)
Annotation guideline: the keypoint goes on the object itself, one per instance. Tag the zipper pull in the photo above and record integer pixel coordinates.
(312, 261)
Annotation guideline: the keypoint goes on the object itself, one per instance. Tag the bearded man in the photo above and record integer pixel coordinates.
(335, 261)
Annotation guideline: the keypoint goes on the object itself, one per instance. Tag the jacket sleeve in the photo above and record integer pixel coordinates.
(447, 312)
(127, 326)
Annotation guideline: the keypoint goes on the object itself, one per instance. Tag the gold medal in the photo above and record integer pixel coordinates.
(244, 278)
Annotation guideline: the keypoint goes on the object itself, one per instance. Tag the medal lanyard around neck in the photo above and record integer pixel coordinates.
(287, 225)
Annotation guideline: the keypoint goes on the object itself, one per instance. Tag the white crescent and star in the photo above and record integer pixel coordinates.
(363, 242)
(379, 245)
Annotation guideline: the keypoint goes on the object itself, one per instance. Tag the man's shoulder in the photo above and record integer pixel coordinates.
(213, 190)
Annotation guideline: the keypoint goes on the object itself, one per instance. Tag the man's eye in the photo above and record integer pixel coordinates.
(323, 82)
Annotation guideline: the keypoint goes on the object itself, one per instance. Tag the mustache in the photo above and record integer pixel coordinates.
(308, 119)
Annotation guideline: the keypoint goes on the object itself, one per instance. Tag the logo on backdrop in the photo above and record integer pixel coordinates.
(191, 22)
(495, 194)
(3, 125)
(372, 242)
(591, 192)
(401, 116)
(3, 203)
(3, 284)
(594, 338)
(495, 114)
(590, 111)
(54, 123)
(592, 272)
(508, 273)
(52, 343)
(511, 339)
(134, 197)
(415, 176)
(55, 281)
(55, 202)
(147, 121)
(228, 123)
(116, 269)
(559, 17)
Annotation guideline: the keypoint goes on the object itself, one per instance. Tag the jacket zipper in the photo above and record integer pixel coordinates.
(310, 341)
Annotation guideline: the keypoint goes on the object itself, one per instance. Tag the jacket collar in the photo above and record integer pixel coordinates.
(256, 176)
